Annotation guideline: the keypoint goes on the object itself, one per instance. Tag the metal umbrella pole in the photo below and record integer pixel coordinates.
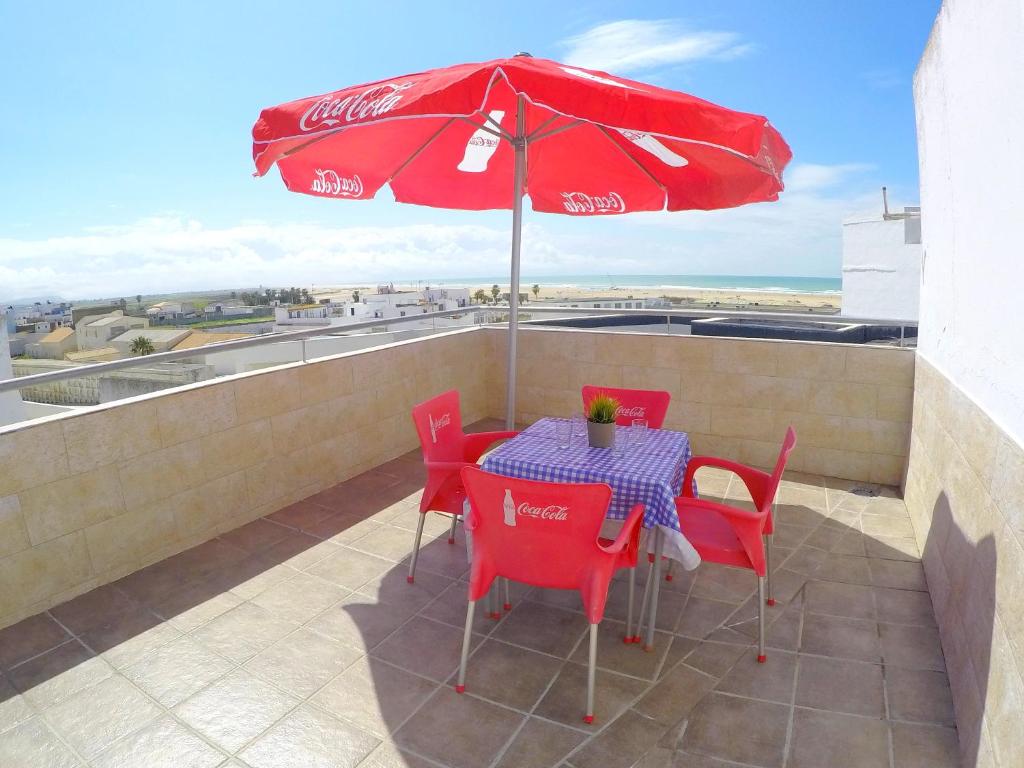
(519, 145)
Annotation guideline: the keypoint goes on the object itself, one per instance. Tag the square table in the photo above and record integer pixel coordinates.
(650, 473)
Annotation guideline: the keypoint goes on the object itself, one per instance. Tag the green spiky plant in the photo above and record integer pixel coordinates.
(602, 409)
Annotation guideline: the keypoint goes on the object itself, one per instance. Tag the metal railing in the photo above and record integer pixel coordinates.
(92, 369)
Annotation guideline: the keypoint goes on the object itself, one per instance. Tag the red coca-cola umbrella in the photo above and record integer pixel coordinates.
(480, 136)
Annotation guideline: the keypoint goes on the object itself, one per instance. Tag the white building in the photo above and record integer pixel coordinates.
(162, 339)
(882, 266)
(11, 408)
(222, 309)
(302, 314)
(95, 331)
(163, 311)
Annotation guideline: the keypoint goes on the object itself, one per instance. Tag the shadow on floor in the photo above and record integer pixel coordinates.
(296, 638)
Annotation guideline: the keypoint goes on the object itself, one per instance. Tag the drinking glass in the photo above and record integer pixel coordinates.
(622, 441)
(563, 433)
(639, 430)
(579, 425)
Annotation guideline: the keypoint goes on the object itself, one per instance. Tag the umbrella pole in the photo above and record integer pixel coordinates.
(519, 145)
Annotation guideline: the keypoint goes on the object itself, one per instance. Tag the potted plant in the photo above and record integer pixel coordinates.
(601, 421)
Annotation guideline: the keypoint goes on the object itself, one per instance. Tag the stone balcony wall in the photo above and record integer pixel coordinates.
(89, 497)
(851, 405)
(965, 495)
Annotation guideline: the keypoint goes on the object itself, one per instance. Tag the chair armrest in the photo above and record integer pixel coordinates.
(629, 537)
(448, 466)
(475, 443)
(755, 480)
(748, 526)
(730, 513)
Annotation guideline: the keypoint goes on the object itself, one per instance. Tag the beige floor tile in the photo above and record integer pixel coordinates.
(904, 606)
(94, 718)
(701, 616)
(540, 743)
(741, 730)
(387, 541)
(911, 646)
(566, 700)
(309, 738)
(234, 710)
(176, 670)
(772, 680)
(919, 695)
(55, 675)
(826, 739)
(242, 632)
(374, 696)
(427, 732)
(32, 743)
(359, 621)
(350, 568)
(837, 599)
(195, 604)
(163, 744)
(841, 638)
(393, 590)
(624, 658)
(255, 536)
(897, 574)
(408, 648)
(300, 598)
(713, 658)
(302, 515)
(510, 675)
(31, 637)
(675, 694)
(848, 569)
(303, 662)
(14, 708)
(618, 745)
(542, 628)
(838, 685)
(889, 548)
(103, 605)
(924, 746)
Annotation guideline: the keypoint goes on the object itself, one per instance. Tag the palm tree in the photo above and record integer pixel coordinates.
(536, 290)
(141, 346)
(480, 296)
(495, 292)
(355, 296)
(138, 300)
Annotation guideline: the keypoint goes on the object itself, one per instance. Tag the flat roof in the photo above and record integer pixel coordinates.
(168, 335)
(202, 338)
(58, 334)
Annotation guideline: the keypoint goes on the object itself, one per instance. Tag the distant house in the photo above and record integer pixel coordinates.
(282, 315)
(54, 345)
(165, 311)
(200, 339)
(162, 339)
(218, 309)
(95, 331)
(100, 355)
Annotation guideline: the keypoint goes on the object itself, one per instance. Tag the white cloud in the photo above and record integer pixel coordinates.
(634, 45)
(809, 177)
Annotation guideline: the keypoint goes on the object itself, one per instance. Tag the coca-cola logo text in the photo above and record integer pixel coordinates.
(439, 423)
(373, 102)
(581, 202)
(328, 182)
(550, 512)
(483, 141)
(635, 412)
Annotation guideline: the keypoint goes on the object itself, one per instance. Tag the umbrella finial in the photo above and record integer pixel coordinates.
(523, 53)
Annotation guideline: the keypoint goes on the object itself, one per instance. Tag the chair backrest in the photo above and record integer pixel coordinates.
(439, 426)
(538, 533)
(647, 404)
(788, 444)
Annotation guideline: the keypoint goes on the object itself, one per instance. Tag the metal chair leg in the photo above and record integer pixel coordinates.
(768, 563)
(591, 672)
(643, 603)
(416, 548)
(451, 533)
(460, 686)
(668, 574)
(760, 620)
(655, 590)
(629, 606)
(508, 600)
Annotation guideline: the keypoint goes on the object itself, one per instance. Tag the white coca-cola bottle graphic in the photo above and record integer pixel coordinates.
(481, 145)
(510, 509)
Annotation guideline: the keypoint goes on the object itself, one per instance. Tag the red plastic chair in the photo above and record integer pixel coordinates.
(731, 536)
(545, 535)
(446, 450)
(647, 404)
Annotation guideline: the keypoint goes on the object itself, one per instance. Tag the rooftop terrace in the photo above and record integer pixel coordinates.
(295, 640)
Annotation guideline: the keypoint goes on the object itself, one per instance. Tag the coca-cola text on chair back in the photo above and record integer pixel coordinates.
(648, 404)
(439, 426)
(539, 533)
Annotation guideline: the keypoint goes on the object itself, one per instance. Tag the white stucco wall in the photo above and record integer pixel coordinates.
(969, 96)
(881, 272)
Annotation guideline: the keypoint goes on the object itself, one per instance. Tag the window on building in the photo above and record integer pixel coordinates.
(618, 305)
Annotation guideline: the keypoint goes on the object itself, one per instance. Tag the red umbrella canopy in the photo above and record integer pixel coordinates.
(596, 144)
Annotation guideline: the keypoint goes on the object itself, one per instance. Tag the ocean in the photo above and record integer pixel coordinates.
(768, 283)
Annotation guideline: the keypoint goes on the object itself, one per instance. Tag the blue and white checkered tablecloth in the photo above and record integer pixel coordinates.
(651, 473)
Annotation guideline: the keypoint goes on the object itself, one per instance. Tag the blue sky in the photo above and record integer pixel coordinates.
(127, 152)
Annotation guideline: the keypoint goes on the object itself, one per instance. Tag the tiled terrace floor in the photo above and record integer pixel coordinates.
(295, 641)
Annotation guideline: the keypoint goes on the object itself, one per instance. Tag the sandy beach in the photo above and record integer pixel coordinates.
(697, 298)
